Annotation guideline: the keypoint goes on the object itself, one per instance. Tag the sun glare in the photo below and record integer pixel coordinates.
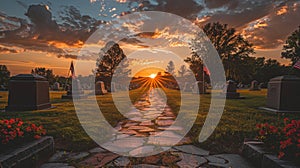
(152, 76)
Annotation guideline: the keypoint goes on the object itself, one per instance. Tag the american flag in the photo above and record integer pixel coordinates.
(297, 65)
(72, 70)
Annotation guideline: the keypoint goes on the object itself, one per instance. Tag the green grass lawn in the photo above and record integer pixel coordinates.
(238, 121)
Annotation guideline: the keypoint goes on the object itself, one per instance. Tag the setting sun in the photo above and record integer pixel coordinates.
(152, 76)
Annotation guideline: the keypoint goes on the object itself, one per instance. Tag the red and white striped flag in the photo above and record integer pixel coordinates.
(72, 70)
(297, 65)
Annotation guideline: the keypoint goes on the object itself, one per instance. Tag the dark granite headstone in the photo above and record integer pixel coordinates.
(100, 88)
(28, 92)
(231, 90)
(284, 93)
(254, 86)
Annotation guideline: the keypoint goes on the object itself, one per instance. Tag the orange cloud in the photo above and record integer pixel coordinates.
(63, 45)
(204, 19)
(282, 10)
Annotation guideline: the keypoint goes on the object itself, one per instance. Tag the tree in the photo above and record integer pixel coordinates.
(171, 68)
(182, 71)
(196, 65)
(46, 73)
(233, 49)
(266, 69)
(109, 58)
(291, 48)
(4, 75)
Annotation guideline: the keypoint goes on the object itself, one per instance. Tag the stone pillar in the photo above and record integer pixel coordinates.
(28, 92)
(231, 90)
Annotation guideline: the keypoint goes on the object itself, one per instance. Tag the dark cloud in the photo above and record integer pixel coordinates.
(44, 34)
(274, 29)
(247, 16)
(134, 41)
(231, 4)
(41, 17)
(184, 8)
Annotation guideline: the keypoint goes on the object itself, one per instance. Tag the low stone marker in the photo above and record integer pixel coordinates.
(231, 92)
(254, 86)
(284, 94)
(100, 88)
(56, 86)
(28, 92)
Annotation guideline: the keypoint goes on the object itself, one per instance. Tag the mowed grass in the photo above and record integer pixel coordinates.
(237, 123)
(62, 123)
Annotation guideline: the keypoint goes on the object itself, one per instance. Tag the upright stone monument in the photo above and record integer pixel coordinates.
(187, 87)
(56, 86)
(100, 88)
(113, 87)
(77, 92)
(284, 94)
(28, 92)
(231, 92)
(254, 86)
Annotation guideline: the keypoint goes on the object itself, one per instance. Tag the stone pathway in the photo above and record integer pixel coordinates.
(151, 118)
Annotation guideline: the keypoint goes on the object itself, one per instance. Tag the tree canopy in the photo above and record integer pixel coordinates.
(46, 73)
(171, 68)
(291, 48)
(232, 48)
(109, 59)
(4, 75)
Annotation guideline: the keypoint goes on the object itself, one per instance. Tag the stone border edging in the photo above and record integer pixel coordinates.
(262, 158)
(31, 154)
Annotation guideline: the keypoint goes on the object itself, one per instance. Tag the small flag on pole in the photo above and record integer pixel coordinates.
(72, 70)
(297, 65)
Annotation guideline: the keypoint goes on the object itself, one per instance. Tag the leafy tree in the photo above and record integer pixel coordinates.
(4, 75)
(47, 73)
(109, 58)
(233, 49)
(266, 69)
(196, 65)
(182, 71)
(291, 48)
(171, 68)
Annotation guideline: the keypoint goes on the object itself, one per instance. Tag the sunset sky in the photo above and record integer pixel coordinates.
(52, 36)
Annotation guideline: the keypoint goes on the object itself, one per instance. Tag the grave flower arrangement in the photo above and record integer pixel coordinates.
(15, 130)
(285, 141)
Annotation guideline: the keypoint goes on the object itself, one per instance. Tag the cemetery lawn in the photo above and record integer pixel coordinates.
(237, 123)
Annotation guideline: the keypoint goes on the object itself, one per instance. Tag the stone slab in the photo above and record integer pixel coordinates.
(31, 154)
(191, 149)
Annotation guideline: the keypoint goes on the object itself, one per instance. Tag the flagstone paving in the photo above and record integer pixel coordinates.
(149, 125)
